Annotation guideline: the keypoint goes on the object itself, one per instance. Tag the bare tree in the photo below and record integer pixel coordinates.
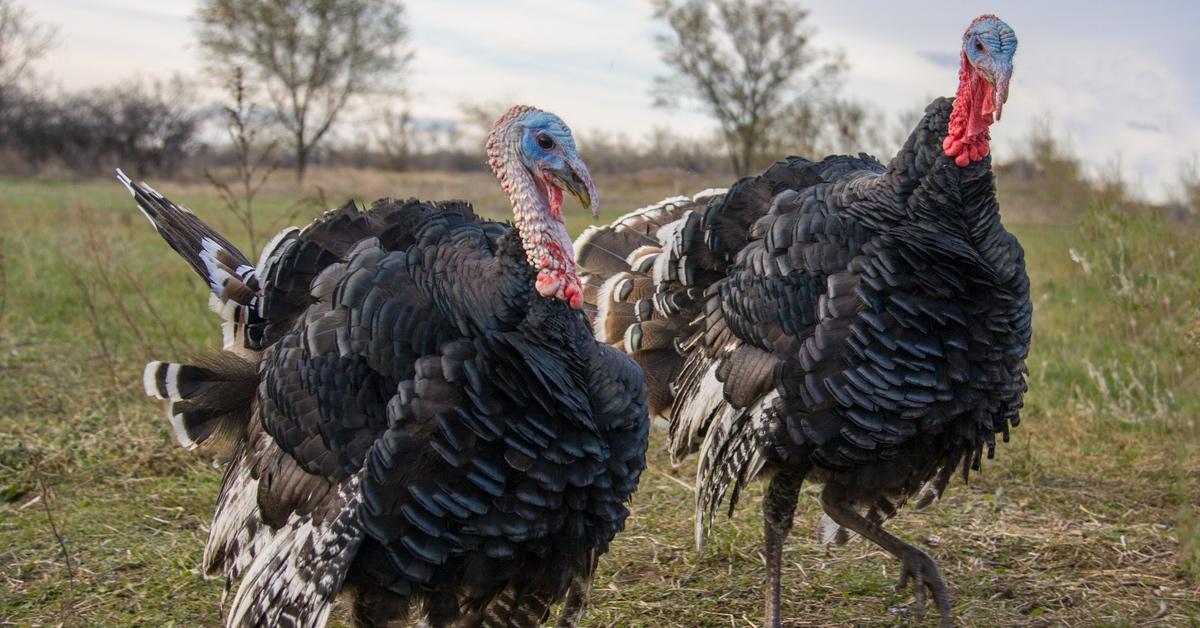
(153, 125)
(22, 41)
(746, 62)
(312, 56)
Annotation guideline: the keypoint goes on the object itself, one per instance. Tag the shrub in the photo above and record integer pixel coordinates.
(148, 128)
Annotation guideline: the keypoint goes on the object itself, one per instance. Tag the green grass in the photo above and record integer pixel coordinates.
(1087, 517)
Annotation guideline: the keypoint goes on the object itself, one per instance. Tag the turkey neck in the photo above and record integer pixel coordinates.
(928, 187)
(543, 235)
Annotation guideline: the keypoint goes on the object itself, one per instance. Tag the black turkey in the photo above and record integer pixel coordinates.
(836, 321)
(413, 405)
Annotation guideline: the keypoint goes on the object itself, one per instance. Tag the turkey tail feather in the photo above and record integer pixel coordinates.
(294, 577)
(208, 402)
(639, 277)
(730, 458)
(232, 280)
(222, 266)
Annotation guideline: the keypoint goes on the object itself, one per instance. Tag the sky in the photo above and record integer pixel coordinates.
(1119, 80)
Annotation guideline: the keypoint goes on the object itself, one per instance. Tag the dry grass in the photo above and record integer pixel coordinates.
(1016, 550)
(1087, 518)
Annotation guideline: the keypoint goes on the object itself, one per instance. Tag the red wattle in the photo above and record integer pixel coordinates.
(547, 283)
(572, 293)
(556, 276)
(974, 104)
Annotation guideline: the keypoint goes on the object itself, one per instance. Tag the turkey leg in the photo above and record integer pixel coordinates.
(779, 507)
(577, 598)
(915, 564)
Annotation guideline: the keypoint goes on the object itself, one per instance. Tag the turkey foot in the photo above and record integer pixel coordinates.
(924, 573)
(915, 564)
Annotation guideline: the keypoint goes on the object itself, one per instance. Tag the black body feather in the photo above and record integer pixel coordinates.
(861, 326)
(427, 432)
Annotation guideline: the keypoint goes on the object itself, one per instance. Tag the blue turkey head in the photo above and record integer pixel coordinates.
(548, 151)
(989, 45)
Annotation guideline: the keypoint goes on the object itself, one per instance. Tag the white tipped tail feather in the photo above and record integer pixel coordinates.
(232, 280)
(207, 402)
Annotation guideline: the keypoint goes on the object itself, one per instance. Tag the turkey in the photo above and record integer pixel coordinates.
(412, 405)
(841, 322)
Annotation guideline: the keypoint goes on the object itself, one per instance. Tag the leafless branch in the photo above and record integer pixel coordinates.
(89, 301)
(100, 254)
(46, 505)
(254, 163)
(3, 279)
(22, 42)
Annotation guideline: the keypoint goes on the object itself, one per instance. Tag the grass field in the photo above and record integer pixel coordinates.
(1089, 516)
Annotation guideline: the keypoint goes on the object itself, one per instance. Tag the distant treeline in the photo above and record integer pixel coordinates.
(158, 130)
(155, 129)
(138, 125)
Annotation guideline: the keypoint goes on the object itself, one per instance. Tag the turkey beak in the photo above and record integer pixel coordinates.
(575, 179)
(1000, 77)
